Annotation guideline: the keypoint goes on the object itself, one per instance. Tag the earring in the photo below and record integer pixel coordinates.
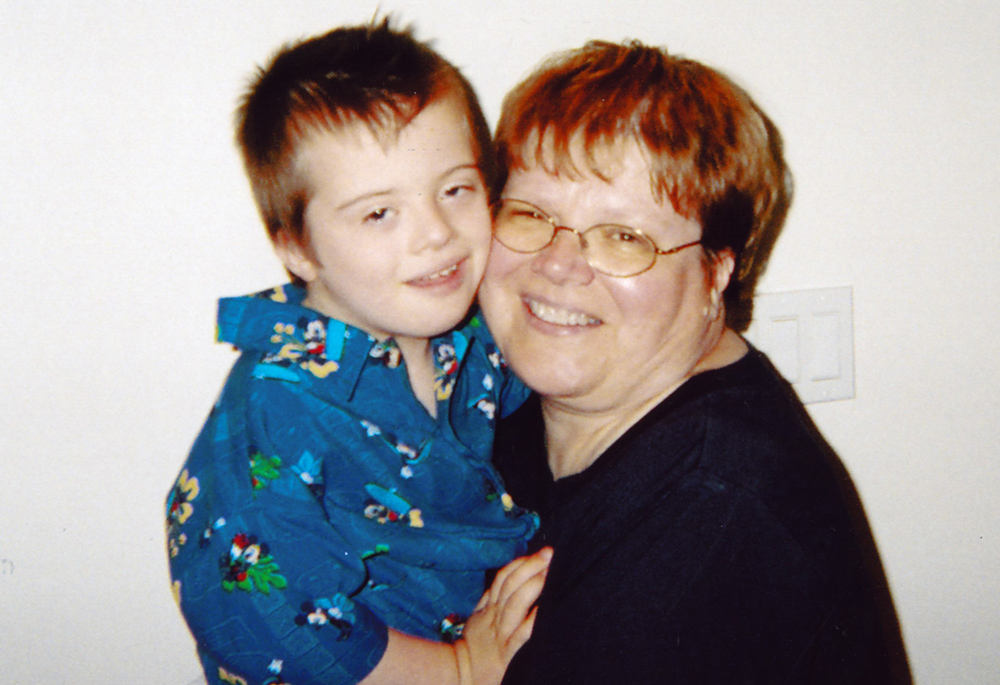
(712, 309)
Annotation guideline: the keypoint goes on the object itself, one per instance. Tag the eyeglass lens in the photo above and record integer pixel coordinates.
(611, 249)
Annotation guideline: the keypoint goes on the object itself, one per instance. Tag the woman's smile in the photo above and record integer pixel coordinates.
(559, 316)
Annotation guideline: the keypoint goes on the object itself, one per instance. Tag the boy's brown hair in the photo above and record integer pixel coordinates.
(712, 151)
(374, 74)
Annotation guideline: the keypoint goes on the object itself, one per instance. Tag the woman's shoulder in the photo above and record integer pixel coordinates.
(746, 406)
(759, 440)
(742, 428)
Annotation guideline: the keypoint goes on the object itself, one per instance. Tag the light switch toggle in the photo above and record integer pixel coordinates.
(809, 336)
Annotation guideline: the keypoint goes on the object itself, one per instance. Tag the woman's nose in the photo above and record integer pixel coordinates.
(563, 261)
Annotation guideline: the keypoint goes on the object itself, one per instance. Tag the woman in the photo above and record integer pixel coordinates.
(703, 532)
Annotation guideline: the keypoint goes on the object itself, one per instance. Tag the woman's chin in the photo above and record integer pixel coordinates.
(555, 378)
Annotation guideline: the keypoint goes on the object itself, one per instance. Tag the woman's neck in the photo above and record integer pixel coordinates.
(575, 438)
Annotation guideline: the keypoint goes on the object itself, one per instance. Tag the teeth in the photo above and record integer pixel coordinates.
(561, 317)
(439, 276)
(443, 274)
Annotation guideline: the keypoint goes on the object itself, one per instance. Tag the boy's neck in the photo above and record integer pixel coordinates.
(416, 353)
(420, 369)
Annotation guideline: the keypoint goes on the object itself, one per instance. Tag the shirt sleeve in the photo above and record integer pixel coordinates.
(266, 582)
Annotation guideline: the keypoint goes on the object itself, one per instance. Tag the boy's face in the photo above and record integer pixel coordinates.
(397, 231)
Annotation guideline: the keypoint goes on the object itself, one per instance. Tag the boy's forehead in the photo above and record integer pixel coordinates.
(352, 130)
(324, 148)
(321, 148)
(382, 130)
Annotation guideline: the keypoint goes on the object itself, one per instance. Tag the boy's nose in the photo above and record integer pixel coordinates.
(434, 228)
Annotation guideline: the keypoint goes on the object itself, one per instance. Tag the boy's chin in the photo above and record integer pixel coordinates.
(437, 323)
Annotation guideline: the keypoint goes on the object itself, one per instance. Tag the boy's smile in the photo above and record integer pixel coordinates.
(397, 227)
(447, 278)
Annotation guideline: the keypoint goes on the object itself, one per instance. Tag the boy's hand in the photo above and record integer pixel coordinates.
(503, 620)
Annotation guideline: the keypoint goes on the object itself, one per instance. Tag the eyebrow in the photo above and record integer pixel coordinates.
(459, 167)
(363, 197)
(389, 191)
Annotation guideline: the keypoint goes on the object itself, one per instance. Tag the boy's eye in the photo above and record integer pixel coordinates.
(462, 184)
(456, 190)
(378, 215)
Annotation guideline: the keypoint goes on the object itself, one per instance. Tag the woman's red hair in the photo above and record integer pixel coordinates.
(711, 150)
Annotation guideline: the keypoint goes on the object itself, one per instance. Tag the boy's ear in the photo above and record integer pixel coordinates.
(296, 256)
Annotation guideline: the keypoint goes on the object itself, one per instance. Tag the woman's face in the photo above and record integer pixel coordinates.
(597, 341)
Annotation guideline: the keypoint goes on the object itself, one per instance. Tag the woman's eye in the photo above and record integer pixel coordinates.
(624, 236)
(524, 214)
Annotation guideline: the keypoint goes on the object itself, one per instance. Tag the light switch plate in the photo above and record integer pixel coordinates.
(809, 336)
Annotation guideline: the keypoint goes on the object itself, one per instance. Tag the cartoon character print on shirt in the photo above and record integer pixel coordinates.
(387, 353)
(315, 338)
(206, 535)
(275, 294)
(274, 667)
(409, 455)
(309, 470)
(263, 469)
(248, 566)
(450, 628)
(228, 677)
(486, 400)
(302, 343)
(493, 494)
(335, 612)
(276, 680)
(495, 358)
(445, 370)
(488, 407)
(180, 509)
(386, 506)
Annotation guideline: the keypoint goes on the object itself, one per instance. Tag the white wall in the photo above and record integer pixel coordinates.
(123, 215)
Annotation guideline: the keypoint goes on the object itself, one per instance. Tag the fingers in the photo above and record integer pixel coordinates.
(516, 607)
(514, 574)
(504, 617)
(521, 633)
(493, 594)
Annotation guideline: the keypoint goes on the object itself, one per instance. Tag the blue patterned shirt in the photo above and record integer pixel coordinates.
(321, 502)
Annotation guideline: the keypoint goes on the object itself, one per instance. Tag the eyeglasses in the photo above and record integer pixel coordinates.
(610, 249)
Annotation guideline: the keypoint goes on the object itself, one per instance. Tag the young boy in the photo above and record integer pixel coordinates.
(342, 482)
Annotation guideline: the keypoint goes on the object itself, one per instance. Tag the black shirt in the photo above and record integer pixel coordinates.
(719, 540)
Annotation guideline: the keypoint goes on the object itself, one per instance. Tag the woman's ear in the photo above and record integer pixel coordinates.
(296, 256)
(722, 265)
(720, 269)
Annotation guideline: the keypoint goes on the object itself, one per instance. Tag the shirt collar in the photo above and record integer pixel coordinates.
(275, 323)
